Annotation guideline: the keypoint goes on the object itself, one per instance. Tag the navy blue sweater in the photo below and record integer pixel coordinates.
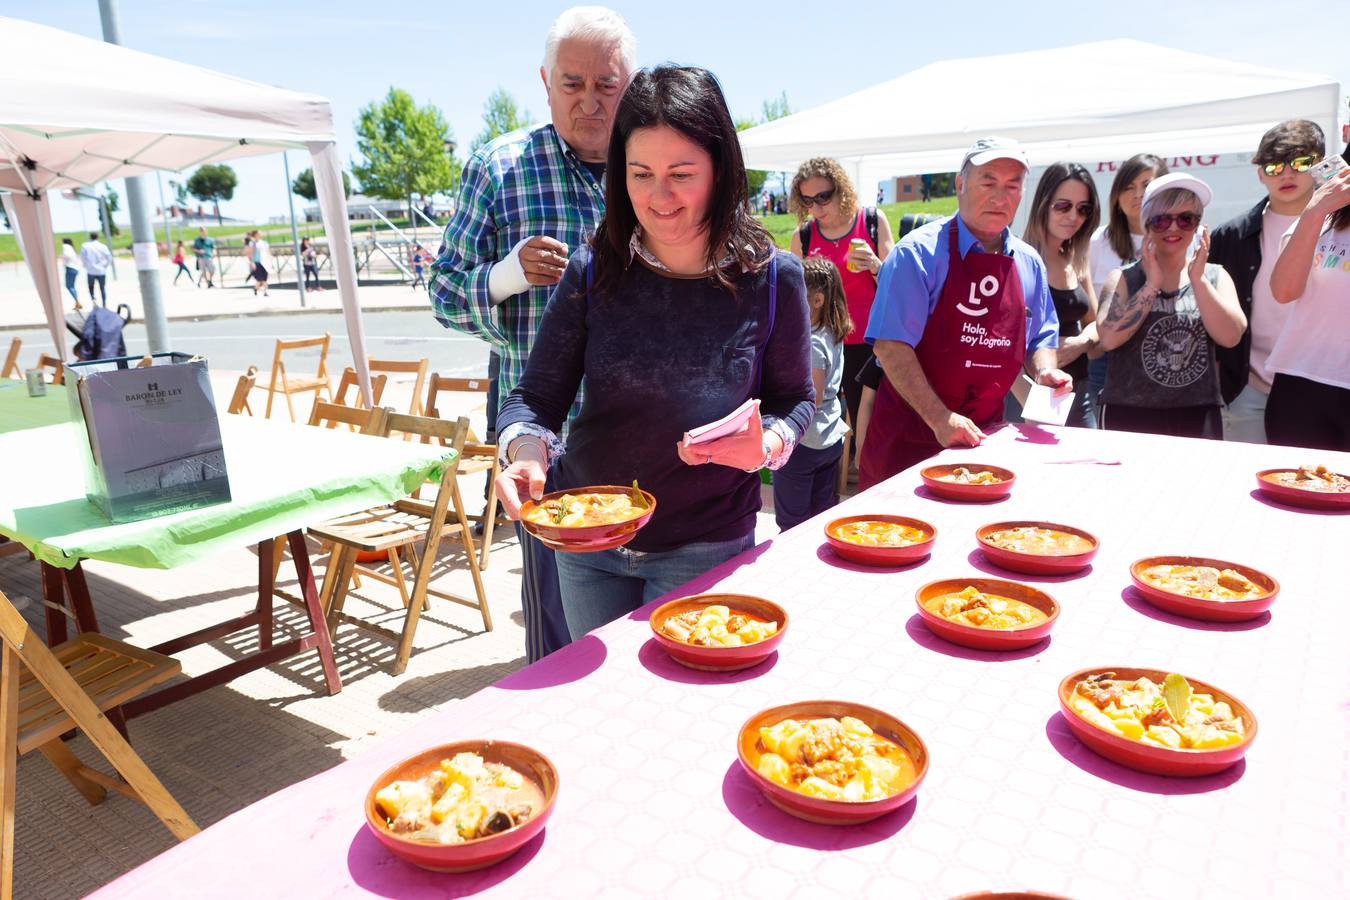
(663, 355)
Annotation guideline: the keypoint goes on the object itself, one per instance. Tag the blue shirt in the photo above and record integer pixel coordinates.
(913, 274)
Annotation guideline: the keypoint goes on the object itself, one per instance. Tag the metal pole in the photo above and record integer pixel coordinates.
(164, 208)
(143, 247)
(106, 222)
(295, 234)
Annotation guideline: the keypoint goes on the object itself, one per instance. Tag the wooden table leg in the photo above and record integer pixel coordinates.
(54, 597)
(80, 603)
(300, 556)
(9, 747)
(266, 584)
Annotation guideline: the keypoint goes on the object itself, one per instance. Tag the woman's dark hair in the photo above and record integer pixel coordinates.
(304, 242)
(1117, 226)
(68, 241)
(822, 276)
(690, 101)
(1076, 247)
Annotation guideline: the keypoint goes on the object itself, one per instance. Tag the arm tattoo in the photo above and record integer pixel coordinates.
(1126, 313)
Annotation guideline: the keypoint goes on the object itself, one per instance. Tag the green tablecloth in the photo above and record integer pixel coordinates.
(282, 477)
(18, 411)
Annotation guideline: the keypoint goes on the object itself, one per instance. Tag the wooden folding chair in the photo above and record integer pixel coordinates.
(477, 457)
(11, 367)
(415, 367)
(45, 692)
(405, 524)
(298, 384)
(239, 402)
(348, 383)
(51, 362)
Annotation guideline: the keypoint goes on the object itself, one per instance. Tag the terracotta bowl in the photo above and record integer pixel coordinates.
(1146, 757)
(976, 493)
(1036, 563)
(480, 852)
(988, 638)
(817, 809)
(1208, 610)
(587, 538)
(881, 556)
(1298, 496)
(720, 659)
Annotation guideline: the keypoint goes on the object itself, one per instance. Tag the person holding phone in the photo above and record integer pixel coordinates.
(679, 311)
(1162, 316)
(1309, 403)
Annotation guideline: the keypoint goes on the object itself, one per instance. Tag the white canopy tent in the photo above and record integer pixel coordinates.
(1105, 100)
(76, 111)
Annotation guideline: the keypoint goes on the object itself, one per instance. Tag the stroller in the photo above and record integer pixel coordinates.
(100, 332)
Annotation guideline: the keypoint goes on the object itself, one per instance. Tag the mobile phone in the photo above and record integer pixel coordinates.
(1327, 169)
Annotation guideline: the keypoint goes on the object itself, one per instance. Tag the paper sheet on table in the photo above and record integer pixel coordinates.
(1044, 405)
(734, 422)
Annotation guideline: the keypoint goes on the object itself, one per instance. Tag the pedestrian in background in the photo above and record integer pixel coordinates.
(309, 259)
(204, 246)
(180, 260)
(96, 258)
(71, 260)
(262, 257)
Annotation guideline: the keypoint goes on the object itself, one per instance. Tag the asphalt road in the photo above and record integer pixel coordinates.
(236, 343)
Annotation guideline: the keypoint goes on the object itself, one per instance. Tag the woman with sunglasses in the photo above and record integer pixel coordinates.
(1063, 216)
(856, 240)
(1309, 403)
(678, 311)
(1162, 316)
(1116, 244)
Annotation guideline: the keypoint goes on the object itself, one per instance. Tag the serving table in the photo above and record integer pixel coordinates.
(282, 478)
(652, 801)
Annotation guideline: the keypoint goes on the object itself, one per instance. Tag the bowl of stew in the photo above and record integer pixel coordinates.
(968, 482)
(881, 539)
(1314, 487)
(588, 519)
(987, 613)
(1203, 588)
(719, 632)
(1037, 548)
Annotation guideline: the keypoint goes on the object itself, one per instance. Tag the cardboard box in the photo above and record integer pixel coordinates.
(153, 443)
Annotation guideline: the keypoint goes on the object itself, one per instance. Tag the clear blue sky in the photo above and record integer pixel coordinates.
(454, 54)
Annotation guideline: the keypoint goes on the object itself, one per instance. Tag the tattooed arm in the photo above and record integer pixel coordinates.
(1119, 315)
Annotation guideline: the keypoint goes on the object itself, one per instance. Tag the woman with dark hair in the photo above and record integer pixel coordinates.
(1309, 403)
(678, 312)
(1064, 213)
(833, 224)
(1116, 244)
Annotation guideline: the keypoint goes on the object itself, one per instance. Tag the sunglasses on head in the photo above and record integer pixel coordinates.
(1062, 206)
(1185, 221)
(818, 199)
(1298, 164)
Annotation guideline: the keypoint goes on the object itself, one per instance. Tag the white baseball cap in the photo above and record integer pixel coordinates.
(988, 149)
(1183, 181)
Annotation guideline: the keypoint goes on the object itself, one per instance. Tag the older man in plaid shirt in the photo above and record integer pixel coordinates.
(526, 201)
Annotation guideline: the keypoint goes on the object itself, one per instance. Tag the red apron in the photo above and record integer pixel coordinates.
(971, 351)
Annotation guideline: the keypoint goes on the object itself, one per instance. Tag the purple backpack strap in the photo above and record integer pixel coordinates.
(773, 313)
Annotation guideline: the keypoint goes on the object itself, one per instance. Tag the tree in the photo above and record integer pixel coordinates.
(777, 107)
(111, 203)
(180, 193)
(754, 178)
(213, 183)
(404, 148)
(500, 116)
(303, 185)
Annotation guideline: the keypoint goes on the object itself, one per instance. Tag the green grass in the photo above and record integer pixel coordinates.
(781, 227)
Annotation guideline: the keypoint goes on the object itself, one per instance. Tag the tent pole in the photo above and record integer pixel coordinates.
(164, 208)
(143, 248)
(295, 235)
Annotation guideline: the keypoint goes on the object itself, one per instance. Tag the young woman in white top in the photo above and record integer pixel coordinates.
(1116, 244)
(71, 260)
(1309, 404)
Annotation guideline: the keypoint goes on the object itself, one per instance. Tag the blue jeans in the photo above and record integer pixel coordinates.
(545, 626)
(1096, 383)
(807, 484)
(600, 587)
(72, 275)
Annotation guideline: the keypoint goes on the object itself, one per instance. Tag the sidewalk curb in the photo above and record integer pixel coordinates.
(207, 317)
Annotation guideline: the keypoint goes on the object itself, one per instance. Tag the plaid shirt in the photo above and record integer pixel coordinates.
(525, 183)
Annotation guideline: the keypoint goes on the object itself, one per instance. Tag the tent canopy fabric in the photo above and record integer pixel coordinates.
(1102, 100)
(75, 111)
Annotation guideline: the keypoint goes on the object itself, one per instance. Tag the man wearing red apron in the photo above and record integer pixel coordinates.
(961, 308)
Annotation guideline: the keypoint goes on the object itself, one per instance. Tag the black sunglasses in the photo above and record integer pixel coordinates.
(818, 199)
(1185, 221)
(1062, 206)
